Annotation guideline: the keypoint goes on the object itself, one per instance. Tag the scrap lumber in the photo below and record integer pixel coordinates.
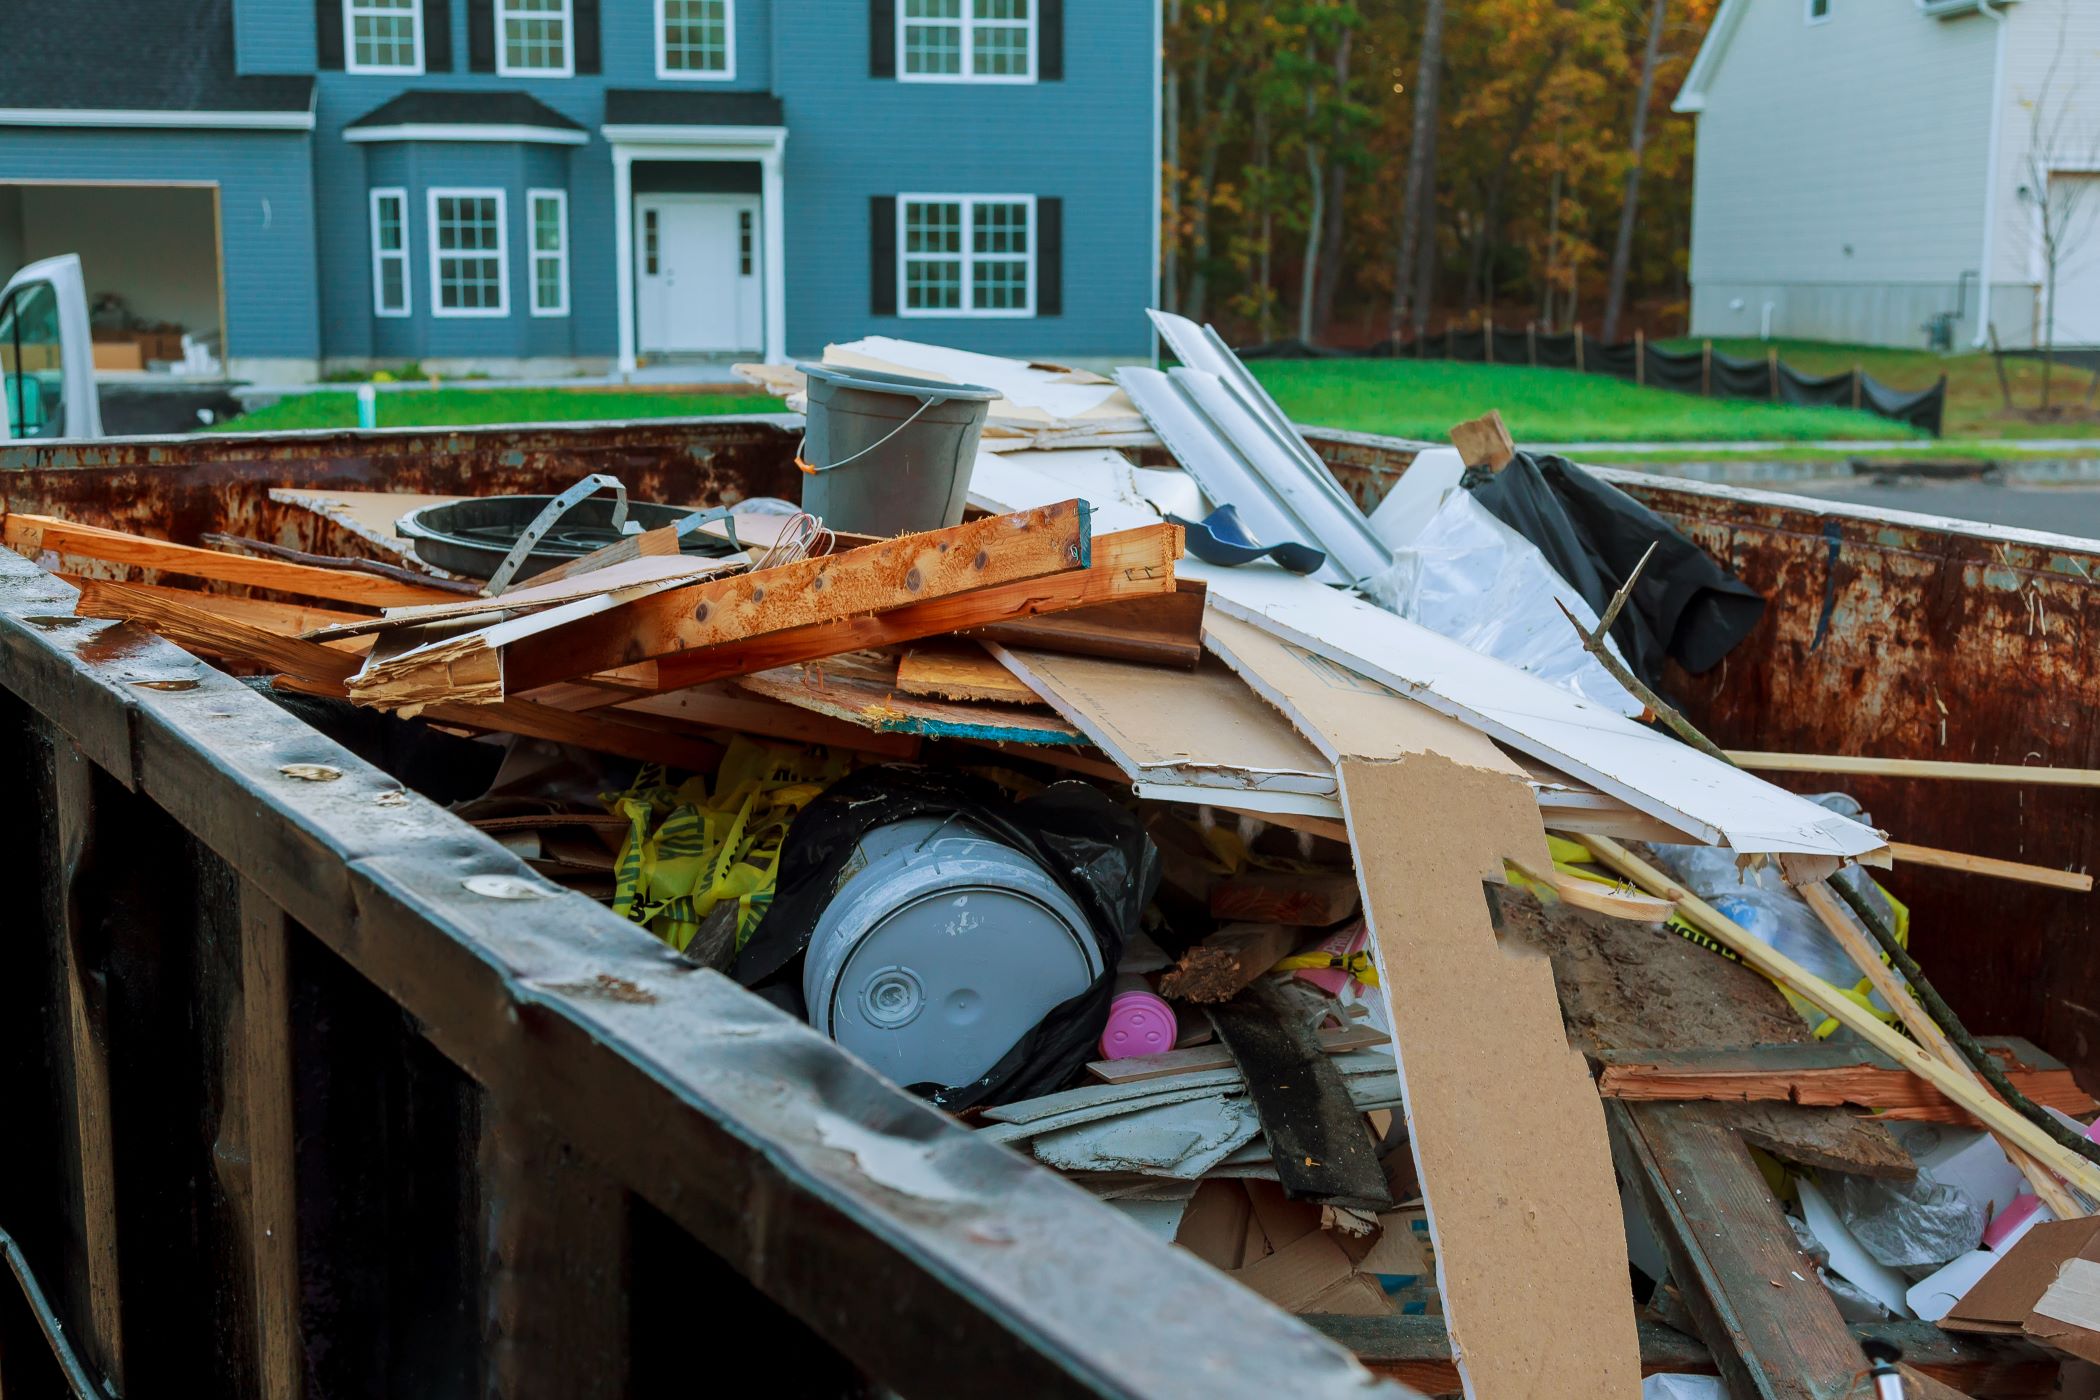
(1814, 1075)
(860, 688)
(540, 593)
(242, 544)
(1162, 630)
(316, 669)
(960, 673)
(1216, 969)
(1907, 854)
(1333, 1040)
(1307, 899)
(1710, 921)
(724, 706)
(489, 664)
(1484, 441)
(288, 619)
(1136, 563)
(1896, 994)
(661, 542)
(31, 535)
(1861, 767)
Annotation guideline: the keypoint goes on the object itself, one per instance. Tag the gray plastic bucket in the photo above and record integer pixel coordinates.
(887, 454)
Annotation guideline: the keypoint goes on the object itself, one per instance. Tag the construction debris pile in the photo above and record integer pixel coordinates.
(1080, 754)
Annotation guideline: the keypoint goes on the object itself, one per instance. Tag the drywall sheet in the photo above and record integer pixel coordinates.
(1047, 395)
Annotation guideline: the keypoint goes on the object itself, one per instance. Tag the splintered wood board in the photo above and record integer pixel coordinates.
(724, 706)
(961, 673)
(533, 596)
(1166, 630)
(861, 688)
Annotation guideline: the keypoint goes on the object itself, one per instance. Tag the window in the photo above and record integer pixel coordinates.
(1818, 11)
(390, 252)
(649, 241)
(550, 251)
(532, 37)
(743, 242)
(468, 273)
(960, 41)
(967, 255)
(696, 39)
(383, 36)
(32, 367)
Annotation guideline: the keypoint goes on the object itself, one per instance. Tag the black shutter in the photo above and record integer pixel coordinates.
(437, 36)
(1050, 40)
(882, 255)
(328, 33)
(481, 36)
(882, 38)
(1049, 255)
(587, 41)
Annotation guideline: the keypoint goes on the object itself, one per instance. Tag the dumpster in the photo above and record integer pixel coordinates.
(317, 1090)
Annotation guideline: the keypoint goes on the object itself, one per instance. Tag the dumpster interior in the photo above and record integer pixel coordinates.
(1524, 920)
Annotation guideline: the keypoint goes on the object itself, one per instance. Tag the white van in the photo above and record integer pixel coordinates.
(47, 357)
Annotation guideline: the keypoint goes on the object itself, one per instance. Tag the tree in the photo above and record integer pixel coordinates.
(1418, 194)
(1629, 208)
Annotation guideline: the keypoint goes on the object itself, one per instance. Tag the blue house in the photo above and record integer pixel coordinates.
(554, 186)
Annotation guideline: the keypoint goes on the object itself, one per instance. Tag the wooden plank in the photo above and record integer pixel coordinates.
(1166, 630)
(861, 688)
(723, 705)
(31, 535)
(1129, 564)
(1907, 854)
(1484, 441)
(1334, 1040)
(90, 1285)
(291, 619)
(1817, 1075)
(896, 573)
(536, 594)
(1308, 899)
(1861, 767)
(960, 673)
(1217, 968)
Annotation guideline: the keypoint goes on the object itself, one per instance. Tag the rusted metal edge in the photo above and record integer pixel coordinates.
(941, 1263)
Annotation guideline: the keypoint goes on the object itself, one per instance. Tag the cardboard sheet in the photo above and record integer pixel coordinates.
(1043, 395)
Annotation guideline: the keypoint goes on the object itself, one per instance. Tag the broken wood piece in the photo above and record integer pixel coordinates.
(539, 593)
(1484, 441)
(32, 535)
(725, 706)
(1861, 767)
(1616, 902)
(1334, 1040)
(1306, 899)
(661, 542)
(1161, 630)
(1907, 854)
(1232, 958)
(861, 689)
(288, 619)
(1127, 565)
(910, 569)
(1817, 1075)
(961, 673)
(241, 544)
(1961, 1088)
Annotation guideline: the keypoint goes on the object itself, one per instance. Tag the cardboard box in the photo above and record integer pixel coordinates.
(2047, 1289)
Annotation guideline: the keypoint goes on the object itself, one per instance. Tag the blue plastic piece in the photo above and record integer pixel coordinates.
(1220, 538)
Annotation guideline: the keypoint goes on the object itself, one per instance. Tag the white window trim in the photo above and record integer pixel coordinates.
(1809, 15)
(688, 75)
(969, 50)
(969, 257)
(379, 257)
(350, 63)
(568, 45)
(534, 257)
(437, 295)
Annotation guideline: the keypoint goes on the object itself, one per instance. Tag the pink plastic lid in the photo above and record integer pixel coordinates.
(2007, 1222)
(1139, 1023)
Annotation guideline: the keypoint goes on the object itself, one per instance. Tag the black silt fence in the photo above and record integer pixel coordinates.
(1704, 372)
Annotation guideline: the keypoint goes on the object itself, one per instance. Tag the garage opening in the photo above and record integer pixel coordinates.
(150, 254)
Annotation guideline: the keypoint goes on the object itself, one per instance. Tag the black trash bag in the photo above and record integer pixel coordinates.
(1686, 605)
(1096, 850)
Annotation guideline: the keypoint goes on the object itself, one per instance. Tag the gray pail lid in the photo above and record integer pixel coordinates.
(877, 381)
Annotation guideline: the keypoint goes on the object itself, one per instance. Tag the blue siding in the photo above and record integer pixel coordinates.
(273, 36)
(266, 213)
(1087, 139)
(629, 27)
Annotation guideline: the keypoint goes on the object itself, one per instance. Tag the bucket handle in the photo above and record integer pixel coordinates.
(812, 469)
(550, 515)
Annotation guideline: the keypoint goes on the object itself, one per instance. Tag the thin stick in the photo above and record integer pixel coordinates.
(330, 561)
(1594, 644)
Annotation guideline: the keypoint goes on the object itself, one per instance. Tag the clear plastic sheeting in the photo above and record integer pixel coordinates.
(1666, 1387)
(1469, 577)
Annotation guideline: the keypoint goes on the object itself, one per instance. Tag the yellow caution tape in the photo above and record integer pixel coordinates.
(1358, 965)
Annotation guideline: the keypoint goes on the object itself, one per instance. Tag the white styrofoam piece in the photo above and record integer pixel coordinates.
(1646, 769)
(1327, 515)
(1934, 1296)
(1206, 454)
(1017, 381)
(1431, 476)
(1848, 1257)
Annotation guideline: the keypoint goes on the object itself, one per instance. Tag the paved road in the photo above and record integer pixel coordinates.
(2066, 510)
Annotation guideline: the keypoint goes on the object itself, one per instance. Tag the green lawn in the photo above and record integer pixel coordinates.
(1422, 399)
(435, 408)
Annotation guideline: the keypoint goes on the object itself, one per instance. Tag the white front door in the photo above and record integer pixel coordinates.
(698, 284)
(2077, 198)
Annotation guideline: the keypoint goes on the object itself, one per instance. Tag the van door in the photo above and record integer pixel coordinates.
(47, 355)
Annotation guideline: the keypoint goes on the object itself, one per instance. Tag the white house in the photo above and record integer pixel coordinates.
(1869, 168)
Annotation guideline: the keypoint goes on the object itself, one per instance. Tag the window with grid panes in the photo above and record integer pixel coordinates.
(550, 251)
(467, 271)
(533, 36)
(695, 38)
(390, 252)
(967, 40)
(384, 36)
(967, 255)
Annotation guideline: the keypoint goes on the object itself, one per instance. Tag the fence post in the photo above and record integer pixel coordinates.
(1578, 347)
(1531, 342)
(1855, 385)
(1640, 358)
(1772, 369)
(1706, 368)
